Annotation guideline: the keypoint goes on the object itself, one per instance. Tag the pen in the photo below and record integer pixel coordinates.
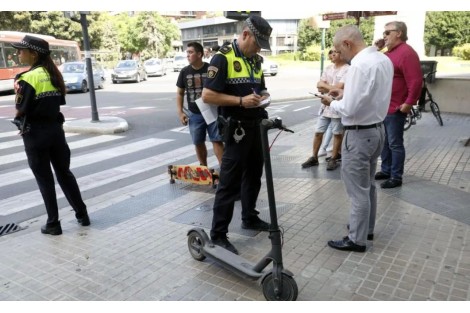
(254, 91)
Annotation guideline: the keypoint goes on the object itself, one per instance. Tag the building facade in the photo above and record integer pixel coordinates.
(217, 30)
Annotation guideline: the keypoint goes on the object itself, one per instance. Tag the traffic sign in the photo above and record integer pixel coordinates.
(377, 13)
(334, 16)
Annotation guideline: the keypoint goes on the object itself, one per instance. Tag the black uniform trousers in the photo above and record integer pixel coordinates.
(240, 173)
(45, 144)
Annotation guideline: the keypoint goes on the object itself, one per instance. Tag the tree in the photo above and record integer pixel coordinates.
(147, 33)
(16, 21)
(307, 35)
(447, 29)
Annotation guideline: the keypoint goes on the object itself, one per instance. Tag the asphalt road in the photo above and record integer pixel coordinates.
(154, 132)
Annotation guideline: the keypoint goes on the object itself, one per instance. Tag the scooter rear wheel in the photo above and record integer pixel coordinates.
(289, 290)
(195, 244)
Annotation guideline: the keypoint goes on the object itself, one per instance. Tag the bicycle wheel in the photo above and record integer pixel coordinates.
(408, 121)
(436, 112)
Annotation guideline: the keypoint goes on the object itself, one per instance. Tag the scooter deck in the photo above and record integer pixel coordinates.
(232, 261)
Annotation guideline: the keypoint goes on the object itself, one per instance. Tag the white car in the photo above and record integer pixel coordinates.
(179, 62)
(269, 67)
(155, 67)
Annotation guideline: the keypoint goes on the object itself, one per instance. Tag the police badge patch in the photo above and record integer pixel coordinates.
(212, 71)
(237, 66)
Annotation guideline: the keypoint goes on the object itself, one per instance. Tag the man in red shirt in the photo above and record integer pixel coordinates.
(406, 88)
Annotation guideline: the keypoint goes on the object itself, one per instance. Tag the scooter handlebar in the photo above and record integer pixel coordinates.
(274, 123)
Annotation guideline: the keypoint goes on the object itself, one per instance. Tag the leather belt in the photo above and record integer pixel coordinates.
(356, 127)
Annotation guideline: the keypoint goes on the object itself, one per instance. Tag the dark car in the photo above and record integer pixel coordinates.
(128, 70)
(76, 76)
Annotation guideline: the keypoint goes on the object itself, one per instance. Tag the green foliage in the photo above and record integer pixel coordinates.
(312, 53)
(17, 21)
(462, 52)
(447, 29)
(307, 35)
(146, 34)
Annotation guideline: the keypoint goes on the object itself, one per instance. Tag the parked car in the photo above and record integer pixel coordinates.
(128, 70)
(179, 62)
(155, 67)
(269, 67)
(76, 76)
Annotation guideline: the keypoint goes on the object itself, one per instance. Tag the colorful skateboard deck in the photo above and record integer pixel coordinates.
(195, 174)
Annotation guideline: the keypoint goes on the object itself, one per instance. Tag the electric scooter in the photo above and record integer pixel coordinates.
(278, 283)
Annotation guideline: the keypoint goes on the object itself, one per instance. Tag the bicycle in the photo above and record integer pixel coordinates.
(426, 97)
(415, 114)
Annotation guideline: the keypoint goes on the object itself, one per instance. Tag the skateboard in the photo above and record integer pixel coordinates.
(195, 174)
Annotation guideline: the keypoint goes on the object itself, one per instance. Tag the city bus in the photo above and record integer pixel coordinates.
(61, 51)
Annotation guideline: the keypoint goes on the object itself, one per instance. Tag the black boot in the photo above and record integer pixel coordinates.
(52, 229)
(84, 221)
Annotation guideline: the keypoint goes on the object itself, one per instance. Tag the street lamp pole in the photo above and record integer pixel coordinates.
(91, 83)
(86, 43)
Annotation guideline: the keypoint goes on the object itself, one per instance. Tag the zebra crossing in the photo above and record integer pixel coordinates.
(98, 162)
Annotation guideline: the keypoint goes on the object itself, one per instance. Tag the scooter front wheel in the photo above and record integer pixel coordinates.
(289, 290)
(195, 244)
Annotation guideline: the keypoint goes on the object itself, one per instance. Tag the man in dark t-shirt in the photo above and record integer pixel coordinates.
(190, 80)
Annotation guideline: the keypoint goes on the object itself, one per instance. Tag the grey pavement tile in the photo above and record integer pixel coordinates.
(419, 252)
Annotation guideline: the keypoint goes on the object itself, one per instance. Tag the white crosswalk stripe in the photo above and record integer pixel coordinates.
(19, 142)
(98, 174)
(19, 156)
(86, 159)
(16, 203)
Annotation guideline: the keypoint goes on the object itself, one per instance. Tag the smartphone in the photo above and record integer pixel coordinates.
(316, 94)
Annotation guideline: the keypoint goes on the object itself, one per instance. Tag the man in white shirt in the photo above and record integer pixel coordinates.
(363, 106)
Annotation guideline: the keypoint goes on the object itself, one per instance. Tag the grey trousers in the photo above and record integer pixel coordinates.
(360, 151)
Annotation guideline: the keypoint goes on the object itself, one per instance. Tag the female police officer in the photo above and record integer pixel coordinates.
(39, 93)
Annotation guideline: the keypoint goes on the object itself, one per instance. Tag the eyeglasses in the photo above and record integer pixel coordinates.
(387, 32)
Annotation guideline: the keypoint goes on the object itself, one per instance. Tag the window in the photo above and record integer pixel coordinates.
(11, 58)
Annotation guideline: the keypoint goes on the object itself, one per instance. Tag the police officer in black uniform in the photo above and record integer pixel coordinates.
(235, 82)
(40, 92)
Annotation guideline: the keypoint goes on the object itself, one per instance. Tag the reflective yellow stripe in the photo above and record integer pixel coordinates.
(39, 79)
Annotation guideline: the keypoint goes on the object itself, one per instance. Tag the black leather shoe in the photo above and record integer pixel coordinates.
(391, 183)
(258, 224)
(381, 176)
(369, 236)
(52, 229)
(84, 221)
(222, 241)
(346, 245)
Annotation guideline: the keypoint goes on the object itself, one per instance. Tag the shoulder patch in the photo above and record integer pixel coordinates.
(212, 71)
(225, 49)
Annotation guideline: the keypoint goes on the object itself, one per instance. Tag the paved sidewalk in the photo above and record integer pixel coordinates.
(136, 249)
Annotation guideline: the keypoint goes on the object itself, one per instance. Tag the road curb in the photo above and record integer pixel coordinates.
(105, 125)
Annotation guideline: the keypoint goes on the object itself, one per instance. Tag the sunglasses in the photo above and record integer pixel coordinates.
(387, 32)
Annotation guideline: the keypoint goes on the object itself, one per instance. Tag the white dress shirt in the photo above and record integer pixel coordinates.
(367, 89)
